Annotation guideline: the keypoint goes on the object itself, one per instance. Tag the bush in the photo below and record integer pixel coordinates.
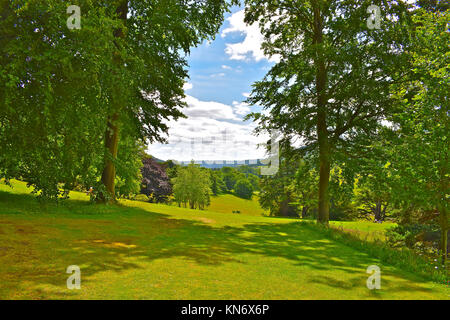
(155, 181)
(407, 235)
(243, 189)
(141, 197)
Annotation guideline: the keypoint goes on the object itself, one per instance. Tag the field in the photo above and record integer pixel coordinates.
(138, 250)
(227, 203)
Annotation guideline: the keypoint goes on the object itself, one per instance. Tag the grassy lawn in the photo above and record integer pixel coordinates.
(227, 203)
(145, 251)
(365, 230)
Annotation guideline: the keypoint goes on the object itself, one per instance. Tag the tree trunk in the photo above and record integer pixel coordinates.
(324, 180)
(112, 130)
(377, 211)
(322, 130)
(443, 219)
(383, 213)
(112, 147)
(304, 211)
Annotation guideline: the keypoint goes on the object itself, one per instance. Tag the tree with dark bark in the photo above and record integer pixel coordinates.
(151, 43)
(71, 96)
(331, 85)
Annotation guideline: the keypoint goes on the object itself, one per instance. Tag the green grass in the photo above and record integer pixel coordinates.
(365, 230)
(144, 251)
(227, 203)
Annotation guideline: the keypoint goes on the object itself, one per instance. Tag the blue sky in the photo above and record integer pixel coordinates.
(221, 74)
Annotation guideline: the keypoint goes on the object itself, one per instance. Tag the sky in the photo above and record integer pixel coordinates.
(221, 75)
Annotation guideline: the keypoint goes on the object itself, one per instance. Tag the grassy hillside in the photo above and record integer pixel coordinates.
(227, 203)
(144, 251)
(366, 230)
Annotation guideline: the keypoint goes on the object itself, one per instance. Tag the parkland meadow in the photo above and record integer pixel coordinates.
(137, 250)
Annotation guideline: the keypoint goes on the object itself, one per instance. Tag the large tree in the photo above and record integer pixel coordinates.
(151, 45)
(69, 95)
(331, 85)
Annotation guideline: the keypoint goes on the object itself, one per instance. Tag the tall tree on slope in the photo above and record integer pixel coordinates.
(151, 43)
(330, 87)
(68, 93)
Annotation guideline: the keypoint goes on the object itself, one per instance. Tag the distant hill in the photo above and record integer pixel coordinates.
(217, 164)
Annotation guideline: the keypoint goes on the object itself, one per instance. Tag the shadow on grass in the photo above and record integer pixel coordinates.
(37, 248)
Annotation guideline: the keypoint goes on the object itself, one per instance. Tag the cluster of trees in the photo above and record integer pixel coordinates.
(369, 106)
(292, 191)
(77, 105)
(192, 186)
(163, 182)
(242, 180)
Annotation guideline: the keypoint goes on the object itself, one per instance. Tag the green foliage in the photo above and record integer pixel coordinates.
(229, 177)
(63, 87)
(402, 258)
(141, 197)
(331, 86)
(128, 166)
(406, 235)
(278, 193)
(254, 180)
(243, 189)
(420, 141)
(192, 186)
(217, 184)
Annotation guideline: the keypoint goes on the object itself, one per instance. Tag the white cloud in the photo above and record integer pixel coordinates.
(226, 67)
(246, 94)
(218, 75)
(241, 108)
(208, 109)
(251, 44)
(212, 131)
(188, 86)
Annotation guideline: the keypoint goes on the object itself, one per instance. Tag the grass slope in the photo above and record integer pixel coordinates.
(145, 251)
(366, 230)
(227, 203)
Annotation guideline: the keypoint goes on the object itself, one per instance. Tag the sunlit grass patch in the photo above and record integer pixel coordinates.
(365, 230)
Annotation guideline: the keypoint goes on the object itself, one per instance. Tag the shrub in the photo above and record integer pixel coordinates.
(141, 197)
(155, 181)
(407, 235)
